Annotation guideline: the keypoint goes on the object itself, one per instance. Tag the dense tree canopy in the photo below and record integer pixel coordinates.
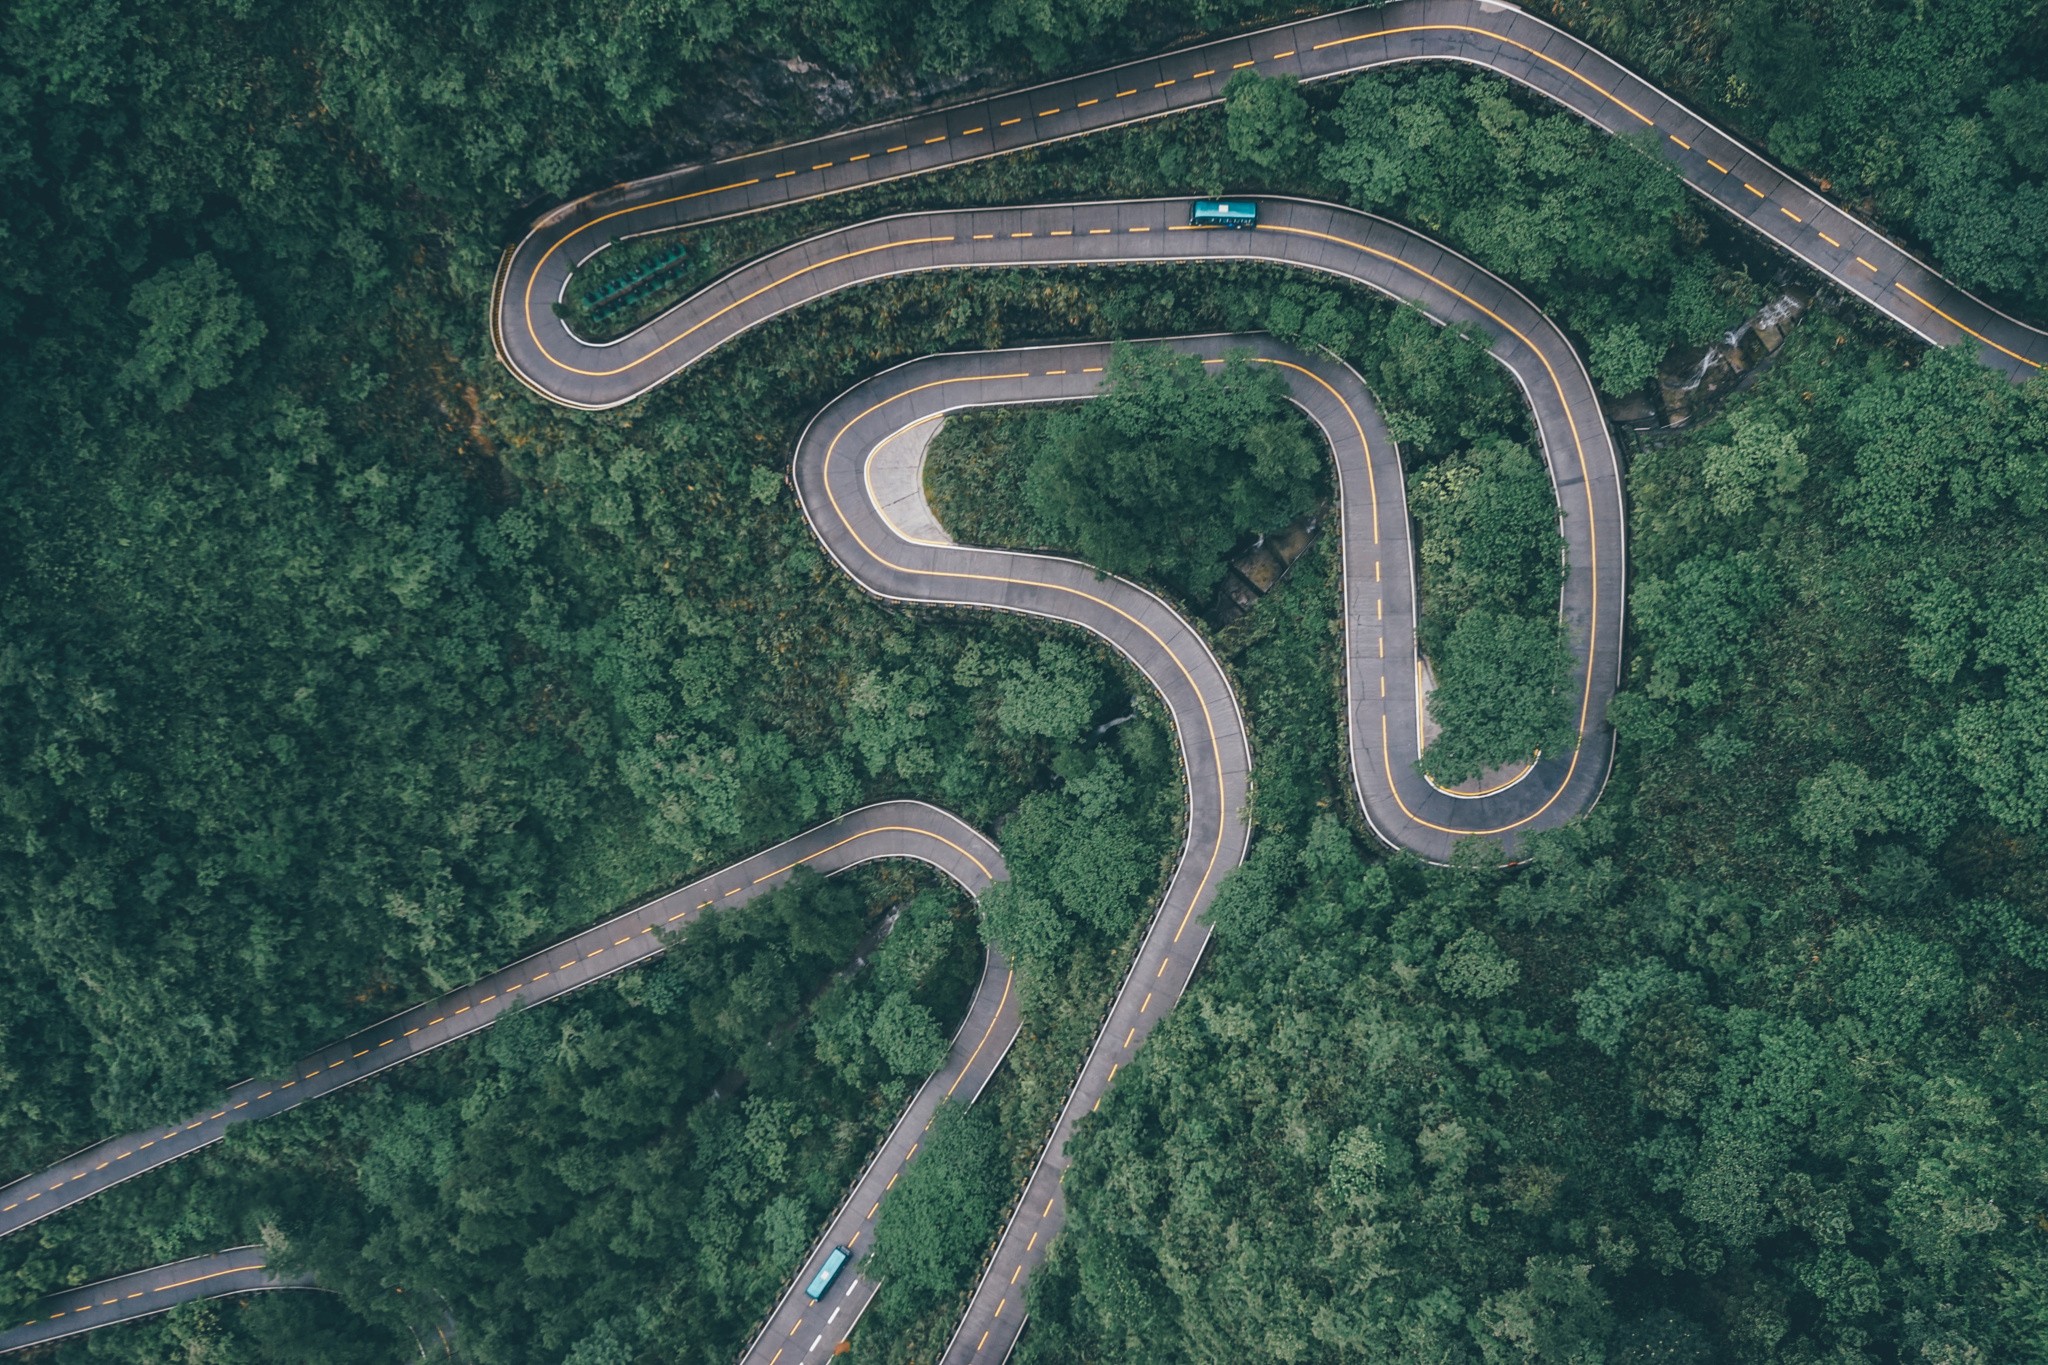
(334, 669)
(1163, 472)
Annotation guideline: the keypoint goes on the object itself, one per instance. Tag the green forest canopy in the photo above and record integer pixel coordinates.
(333, 669)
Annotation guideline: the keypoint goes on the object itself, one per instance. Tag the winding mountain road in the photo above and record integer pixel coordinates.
(145, 1293)
(534, 272)
(1404, 808)
(890, 829)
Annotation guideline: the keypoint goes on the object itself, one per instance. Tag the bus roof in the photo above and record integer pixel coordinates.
(822, 1281)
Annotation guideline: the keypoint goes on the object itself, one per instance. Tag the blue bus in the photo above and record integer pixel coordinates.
(828, 1272)
(1229, 213)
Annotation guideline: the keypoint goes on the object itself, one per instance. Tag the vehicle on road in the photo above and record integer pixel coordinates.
(827, 1273)
(1230, 213)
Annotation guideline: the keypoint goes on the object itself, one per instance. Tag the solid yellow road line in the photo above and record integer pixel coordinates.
(1958, 322)
(1489, 33)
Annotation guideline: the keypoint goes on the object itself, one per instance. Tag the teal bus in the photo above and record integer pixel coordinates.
(827, 1273)
(1229, 213)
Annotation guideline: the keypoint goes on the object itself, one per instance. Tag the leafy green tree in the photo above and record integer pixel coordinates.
(1488, 517)
(1763, 458)
(1023, 925)
(1620, 360)
(1163, 472)
(1557, 1314)
(942, 1213)
(195, 325)
(1053, 698)
(1268, 122)
(907, 1037)
(1504, 693)
(1473, 966)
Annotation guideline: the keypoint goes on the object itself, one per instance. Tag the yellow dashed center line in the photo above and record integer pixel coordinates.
(970, 132)
(1790, 214)
(1752, 189)
(904, 148)
(780, 175)
(862, 157)
(1829, 240)
(1161, 85)
(1866, 265)
(1717, 165)
(1132, 1034)
(1681, 141)
(1008, 121)
(822, 166)
(1048, 113)
(1280, 56)
(1086, 103)
(1122, 93)
(930, 140)
(1200, 74)
(1239, 66)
